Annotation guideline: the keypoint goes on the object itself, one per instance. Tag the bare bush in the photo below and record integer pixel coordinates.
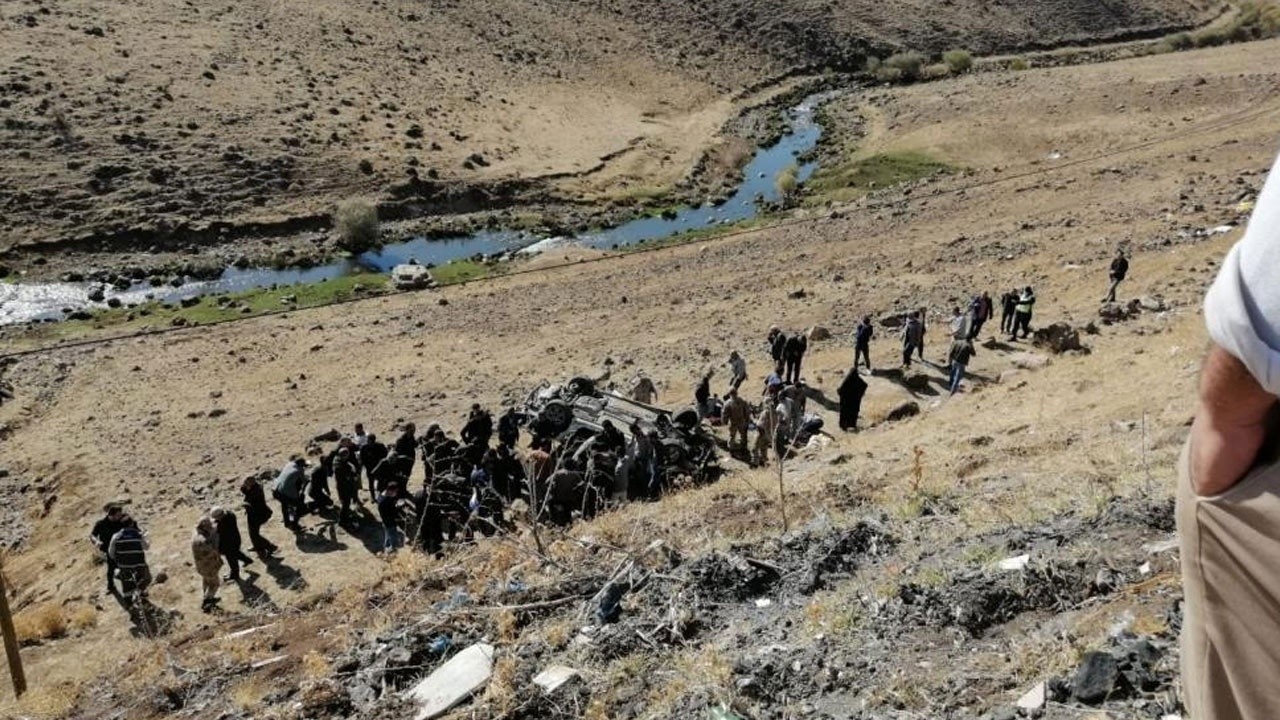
(356, 222)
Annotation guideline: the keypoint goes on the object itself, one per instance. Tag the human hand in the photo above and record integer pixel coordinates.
(1230, 423)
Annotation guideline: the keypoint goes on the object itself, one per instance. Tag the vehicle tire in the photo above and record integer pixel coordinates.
(556, 416)
(687, 419)
(581, 386)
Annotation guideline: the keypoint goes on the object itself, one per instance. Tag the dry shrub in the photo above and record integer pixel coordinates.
(501, 692)
(406, 567)
(42, 622)
(82, 617)
(356, 223)
(508, 626)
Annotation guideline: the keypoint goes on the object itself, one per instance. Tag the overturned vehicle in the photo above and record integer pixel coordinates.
(578, 415)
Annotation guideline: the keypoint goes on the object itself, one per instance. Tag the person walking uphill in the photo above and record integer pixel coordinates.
(101, 534)
(288, 492)
(229, 542)
(204, 551)
(1228, 508)
(256, 513)
(1119, 268)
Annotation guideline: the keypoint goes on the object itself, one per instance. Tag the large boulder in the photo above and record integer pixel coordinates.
(411, 277)
(818, 333)
(1115, 312)
(1057, 338)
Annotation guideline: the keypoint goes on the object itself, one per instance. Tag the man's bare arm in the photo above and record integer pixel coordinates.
(1230, 424)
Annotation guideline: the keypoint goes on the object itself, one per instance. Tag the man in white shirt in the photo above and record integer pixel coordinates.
(1229, 488)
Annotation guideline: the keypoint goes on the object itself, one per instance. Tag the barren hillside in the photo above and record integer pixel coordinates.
(886, 599)
(128, 125)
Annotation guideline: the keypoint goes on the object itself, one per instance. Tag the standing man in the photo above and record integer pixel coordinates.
(643, 390)
(702, 396)
(738, 366)
(1008, 306)
(766, 426)
(229, 542)
(777, 348)
(370, 454)
(359, 437)
(923, 317)
(128, 550)
(980, 312)
(862, 342)
(204, 551)
(406, 448)
(1229, 487)
(794, 351)
(347, 482)
(509, 428)
(288, 492)
(1022, 313)
(912, 338)
(737, 415)
(101, 534)
(1119, 268)
(961, 352)
(389, 513)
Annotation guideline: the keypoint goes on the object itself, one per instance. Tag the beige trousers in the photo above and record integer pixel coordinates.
(1231, 582)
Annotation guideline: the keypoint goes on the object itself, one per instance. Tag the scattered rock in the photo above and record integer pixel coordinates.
(818, 333)
(330, 435)
(797, 294)
(1095, 678)
(554, 677)
(1029, 361)
(1034, 698)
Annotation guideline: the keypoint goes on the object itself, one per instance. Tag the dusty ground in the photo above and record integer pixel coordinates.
(1034, 459)
(163, 125)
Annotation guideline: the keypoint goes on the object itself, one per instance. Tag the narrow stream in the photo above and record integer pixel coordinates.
(27, 302)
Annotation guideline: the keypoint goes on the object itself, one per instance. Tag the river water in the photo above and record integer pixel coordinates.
(26, 302)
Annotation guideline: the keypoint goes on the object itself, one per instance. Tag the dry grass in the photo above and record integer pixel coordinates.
(47, 621)
(50, 702)
(502, 693)
(316, 666)
(247, 695)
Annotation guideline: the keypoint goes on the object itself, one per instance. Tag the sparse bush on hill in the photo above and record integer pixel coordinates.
(958, 60)
(889, 74)
(1180, 41)
(1254, 21)
(788, 181)
(936, 71)
(357, 225)
(1019, 63)
(872, 64)
(908, 63)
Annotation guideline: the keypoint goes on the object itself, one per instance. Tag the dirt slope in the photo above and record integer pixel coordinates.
(144, 122)
(1064, 457)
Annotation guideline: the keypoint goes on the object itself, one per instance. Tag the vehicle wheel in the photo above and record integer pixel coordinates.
(582, 386)
(556, 416)
(687, 419)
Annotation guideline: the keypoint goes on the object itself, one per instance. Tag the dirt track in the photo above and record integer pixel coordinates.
(134, 417)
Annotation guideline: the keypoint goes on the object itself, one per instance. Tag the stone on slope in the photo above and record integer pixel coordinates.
(1095, 678)
(460, 678)
(554, 677)
(1034, 698)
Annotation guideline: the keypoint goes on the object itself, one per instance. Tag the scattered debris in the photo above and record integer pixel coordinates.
(458, 679)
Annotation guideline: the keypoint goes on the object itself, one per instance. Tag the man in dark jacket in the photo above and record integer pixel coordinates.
(371, 454)
(958, 356)
(509, 428)
(389, 513)
(229, 541)
(862, 342)
(389, 471)
(980, 311)
(777, 348)
(1119, 268)
(479, 428)
(794, 351)
(347, 481)
(318, 487)
(256, 513)
(1008, 308)
(101, 534)
(406, 448)
(128, 550)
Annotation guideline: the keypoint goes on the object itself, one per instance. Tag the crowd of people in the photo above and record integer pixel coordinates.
(481, 480)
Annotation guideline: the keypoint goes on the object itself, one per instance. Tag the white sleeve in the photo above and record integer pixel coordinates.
(1242, 307)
